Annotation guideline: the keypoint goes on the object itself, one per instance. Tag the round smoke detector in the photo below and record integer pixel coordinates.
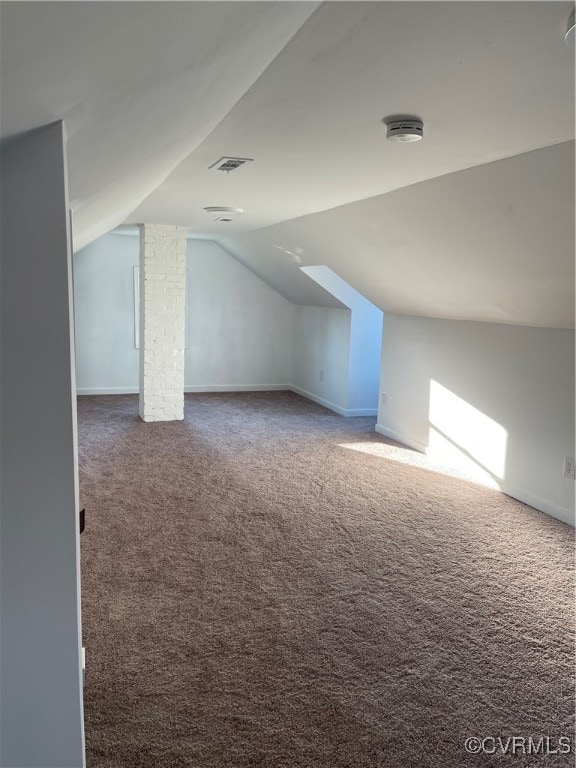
(405, 130)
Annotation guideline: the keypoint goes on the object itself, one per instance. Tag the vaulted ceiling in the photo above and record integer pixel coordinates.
(475, 222)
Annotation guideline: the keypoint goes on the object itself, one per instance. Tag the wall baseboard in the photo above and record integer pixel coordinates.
(399, 438)
(526, 497)
(203, 388)
(543, 505)
(107, 391)
(319, 400)
(351, 412)
(238, 388)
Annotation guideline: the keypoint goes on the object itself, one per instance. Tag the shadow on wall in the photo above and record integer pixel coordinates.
(365, 342)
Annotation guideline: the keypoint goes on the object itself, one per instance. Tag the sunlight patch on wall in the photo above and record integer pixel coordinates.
(463, 437)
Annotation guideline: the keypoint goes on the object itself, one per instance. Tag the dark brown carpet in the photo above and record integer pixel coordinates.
(254, 594)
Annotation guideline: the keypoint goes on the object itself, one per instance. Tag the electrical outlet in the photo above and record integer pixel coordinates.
(321, 375)
(570, 467)
(383, 399)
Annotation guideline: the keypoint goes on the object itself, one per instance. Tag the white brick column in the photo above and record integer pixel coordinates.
(162, 320)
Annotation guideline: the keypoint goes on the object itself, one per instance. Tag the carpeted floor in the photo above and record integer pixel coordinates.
(255, 594)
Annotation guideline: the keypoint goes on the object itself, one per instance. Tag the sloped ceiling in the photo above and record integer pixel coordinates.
(139, 86)
(490, 80)
(494, 242)
(475, 222)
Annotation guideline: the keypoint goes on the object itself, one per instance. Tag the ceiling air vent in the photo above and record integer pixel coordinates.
(229, 164)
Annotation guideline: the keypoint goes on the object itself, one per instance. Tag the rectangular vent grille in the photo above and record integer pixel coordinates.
(229, 164)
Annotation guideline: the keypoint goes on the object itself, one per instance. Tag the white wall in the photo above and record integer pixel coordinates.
(321, 342)
(106, 357)
(41, 721)
(365, 341)
(364, 366)
(240, 332)
(497, 399)
(239, 329)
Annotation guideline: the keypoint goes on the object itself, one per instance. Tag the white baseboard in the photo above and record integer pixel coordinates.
(238, 388)
(549, 507)
(526, 497)
(107, 391)
(319, 400)
(204, 388)
(401, 438)
(350, 412)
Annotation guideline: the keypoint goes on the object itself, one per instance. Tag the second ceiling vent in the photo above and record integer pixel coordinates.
(229, 164)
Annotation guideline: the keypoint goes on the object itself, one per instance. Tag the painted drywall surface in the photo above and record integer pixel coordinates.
(495, 396)
(321, 343)
(365, 340)
(493, 243)
(365, 354)
(41, 721)
(469, 69)
(157, 101)
(134, 113)
(239, 329)
(106, 355)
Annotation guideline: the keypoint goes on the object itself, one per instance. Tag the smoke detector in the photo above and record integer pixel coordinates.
(570, 30)
(223, 213)
(229, 164)
(408, 129)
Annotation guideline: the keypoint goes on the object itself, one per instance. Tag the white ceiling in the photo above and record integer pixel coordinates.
(153, 93)
(494, 242)
(489, 80)
(139, 85)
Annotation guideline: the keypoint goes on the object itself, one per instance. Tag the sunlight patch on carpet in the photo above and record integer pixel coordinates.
(470, 472)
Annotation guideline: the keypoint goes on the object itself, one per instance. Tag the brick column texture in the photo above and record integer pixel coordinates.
(162, 322)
